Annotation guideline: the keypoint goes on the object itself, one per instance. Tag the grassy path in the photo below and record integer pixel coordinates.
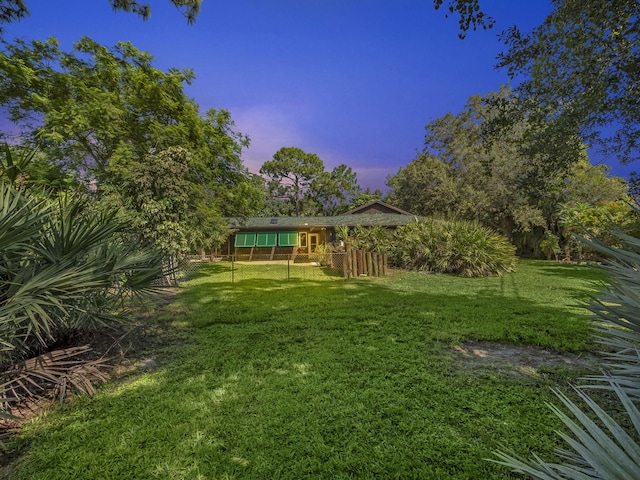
(327, 379)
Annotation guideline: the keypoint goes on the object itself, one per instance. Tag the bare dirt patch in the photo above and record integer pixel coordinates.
(519, 359)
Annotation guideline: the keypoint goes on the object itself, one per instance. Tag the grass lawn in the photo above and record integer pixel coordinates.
(328, 379)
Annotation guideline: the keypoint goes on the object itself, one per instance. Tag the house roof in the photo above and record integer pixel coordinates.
(377, 207)
(368, 215)
(282, 223)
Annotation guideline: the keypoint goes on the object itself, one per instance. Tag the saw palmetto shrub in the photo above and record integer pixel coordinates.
(461, 248)
(373, 238)
(64, 268)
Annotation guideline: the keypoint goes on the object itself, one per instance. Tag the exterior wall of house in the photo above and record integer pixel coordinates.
(306, 237)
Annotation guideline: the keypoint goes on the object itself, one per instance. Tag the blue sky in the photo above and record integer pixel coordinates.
(353, 81)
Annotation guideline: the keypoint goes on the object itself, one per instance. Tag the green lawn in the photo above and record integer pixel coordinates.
(324, 378)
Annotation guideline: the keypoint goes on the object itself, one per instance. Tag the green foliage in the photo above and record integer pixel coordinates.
(62, 269)
(577, 75)
(163, 202)
(333, 190)
(14, 170)
(25, 168)
(604, 452)
(427, 186)
(550, 245)
(291, 173)
(342, 233)
(463, 248)
(466, 173)
(93, 100)
(365, 196)
(592, 184)
(459, 247)
(463, 174)
(617, 312)
(375, 238)
(299, 185)
(97, 108)
(600, 221)
(111, 118)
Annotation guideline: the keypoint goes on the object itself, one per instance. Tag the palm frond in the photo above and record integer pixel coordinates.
(20, 218)
(59, 371)
(602, 450)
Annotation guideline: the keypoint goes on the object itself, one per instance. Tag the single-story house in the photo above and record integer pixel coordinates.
(272, 236)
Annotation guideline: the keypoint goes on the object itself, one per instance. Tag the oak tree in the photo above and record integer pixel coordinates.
(463, 174)
(579, 72)
(103, 113)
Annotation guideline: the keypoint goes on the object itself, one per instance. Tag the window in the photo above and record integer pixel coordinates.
(288, 239)
(245, 239)
(303, 240)
(266, 239)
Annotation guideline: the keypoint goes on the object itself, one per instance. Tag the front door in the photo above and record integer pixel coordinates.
(313, 242)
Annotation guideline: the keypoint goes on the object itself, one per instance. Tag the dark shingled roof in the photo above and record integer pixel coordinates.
(366, 220)
(383, 207)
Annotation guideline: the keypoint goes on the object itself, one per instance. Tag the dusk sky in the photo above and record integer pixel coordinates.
(353, 81)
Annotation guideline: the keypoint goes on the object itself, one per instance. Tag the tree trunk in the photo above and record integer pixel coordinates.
(507, 227)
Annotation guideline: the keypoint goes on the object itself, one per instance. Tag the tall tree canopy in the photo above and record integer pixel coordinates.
(290, 174)
(463, 174)
(299, 178)
(580, 71)
(110, 116)
(88, 104)
(96, 109)
(332, 191)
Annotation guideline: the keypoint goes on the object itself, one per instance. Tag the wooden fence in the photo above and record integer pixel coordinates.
(360, 263)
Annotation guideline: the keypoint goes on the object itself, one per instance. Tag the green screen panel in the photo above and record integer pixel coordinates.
(245, 239)
(288, 239)
(266, 239)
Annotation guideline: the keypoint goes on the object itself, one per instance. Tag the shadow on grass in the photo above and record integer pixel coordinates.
(579, 272)
(496, 312)
(207, 269)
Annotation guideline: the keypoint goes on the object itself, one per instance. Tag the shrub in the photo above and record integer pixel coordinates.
(463, 248)
(64, 268)
(372, 239)
(550, 245)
